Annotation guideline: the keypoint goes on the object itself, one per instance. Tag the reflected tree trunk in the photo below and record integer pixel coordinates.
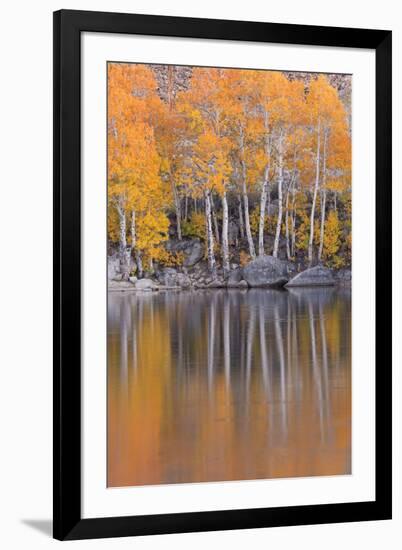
(263, 351)
(316, 369)
(249, 356)
(211, 344)
(324, 347)
(226, 338)
(281, 355)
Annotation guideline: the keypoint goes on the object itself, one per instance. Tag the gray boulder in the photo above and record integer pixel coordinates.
(171, 277)
(145, 284)
(343, 277)
(216, 283)
(234, 278)
(266, 271)
(192, 250)
(314, 276)
(193, 254)
(113, 267)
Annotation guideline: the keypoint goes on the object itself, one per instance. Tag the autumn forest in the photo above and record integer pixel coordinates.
(247, 162)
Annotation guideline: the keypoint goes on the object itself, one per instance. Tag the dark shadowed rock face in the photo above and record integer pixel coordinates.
(315, 276)
(192, 250)
(266, 271)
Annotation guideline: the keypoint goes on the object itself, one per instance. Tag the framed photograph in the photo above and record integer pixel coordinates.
(222, 345)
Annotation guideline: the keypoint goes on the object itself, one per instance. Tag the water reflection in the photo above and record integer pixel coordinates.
(227, 385)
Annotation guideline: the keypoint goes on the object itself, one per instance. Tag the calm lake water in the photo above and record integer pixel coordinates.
(228, 384)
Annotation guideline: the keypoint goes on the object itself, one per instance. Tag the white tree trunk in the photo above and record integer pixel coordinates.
(264, 189)
(280, 207)
(214, 218)
(241, 220)
(263, 205)
(290, 192)
(322, 228)
(245, 200)
(247, 222)
(316, 185)
(293, 226)
(177, 207)
(225, 234)
(123, 253)
(210, 234)
(133, 231)
(186, 207)
(323, 197)
(134, 250)
(288, 253)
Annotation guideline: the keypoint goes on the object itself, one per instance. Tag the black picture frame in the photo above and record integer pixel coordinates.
(68, 26)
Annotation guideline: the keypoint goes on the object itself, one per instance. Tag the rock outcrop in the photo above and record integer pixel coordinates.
(170, 277)
(314, 276)
(145, 284)
(343, 277)
(192, 250)
(266, 272)
(234, 278)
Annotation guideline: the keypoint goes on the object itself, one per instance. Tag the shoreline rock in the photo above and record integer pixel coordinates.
(314, 276)
(266, 272)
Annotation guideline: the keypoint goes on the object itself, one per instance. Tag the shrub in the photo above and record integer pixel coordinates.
(195, 226)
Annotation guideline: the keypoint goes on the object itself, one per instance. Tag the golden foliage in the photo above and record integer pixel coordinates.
(230, 128)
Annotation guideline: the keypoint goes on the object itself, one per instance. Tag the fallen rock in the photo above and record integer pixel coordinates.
(266, 271)
(145, 284)
(314, 276)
